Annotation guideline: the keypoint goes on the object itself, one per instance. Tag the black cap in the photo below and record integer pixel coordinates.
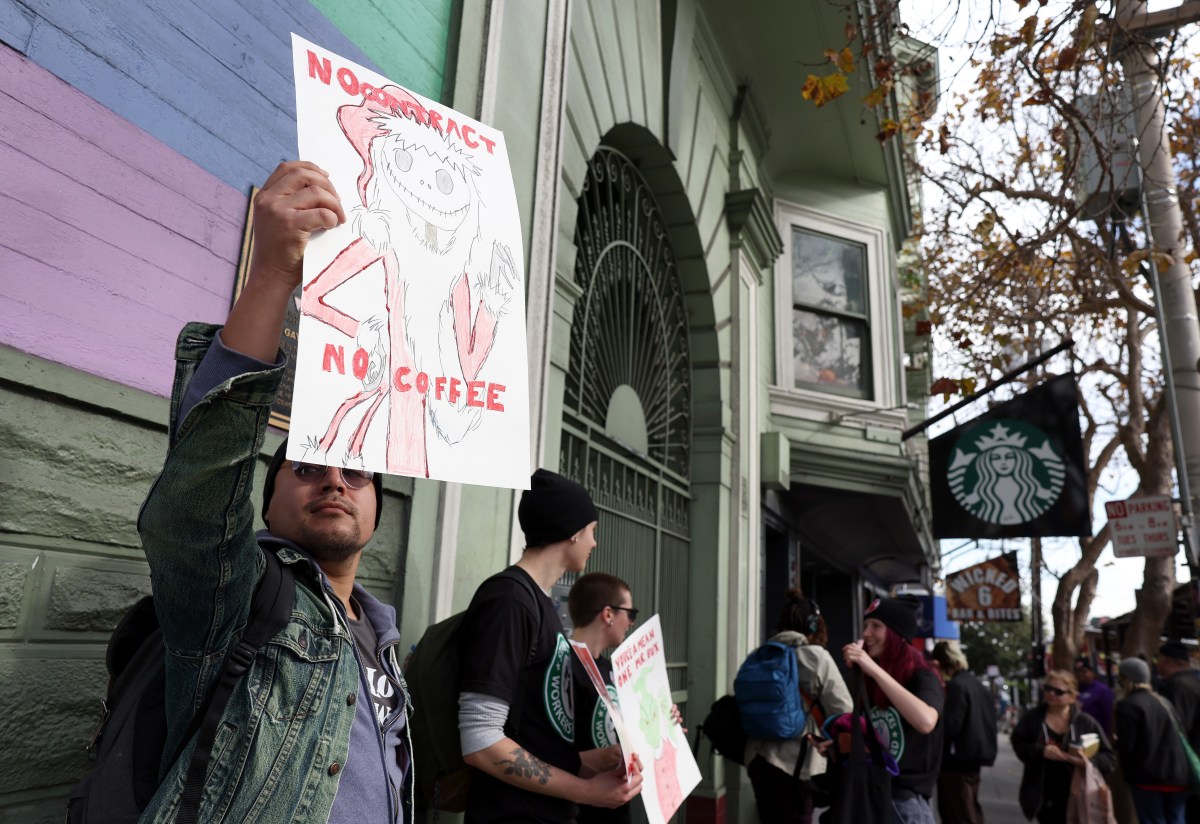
(273, 470)
(1083, 662)
(553, 509)
(1176, 650)
(897, 614)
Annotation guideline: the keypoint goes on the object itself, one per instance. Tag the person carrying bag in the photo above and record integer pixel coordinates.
(784, 691)
(860, 775)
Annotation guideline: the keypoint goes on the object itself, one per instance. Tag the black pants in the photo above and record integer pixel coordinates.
(779, 797)
(958, 797)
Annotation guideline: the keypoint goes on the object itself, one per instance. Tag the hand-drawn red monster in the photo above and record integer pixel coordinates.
(420, 219)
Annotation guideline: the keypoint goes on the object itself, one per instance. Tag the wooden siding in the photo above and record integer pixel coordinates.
(111, 240)
(407, 40)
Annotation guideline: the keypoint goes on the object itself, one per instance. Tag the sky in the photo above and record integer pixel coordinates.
(957, 33)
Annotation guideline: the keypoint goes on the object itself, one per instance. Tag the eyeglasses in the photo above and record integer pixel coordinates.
(308, 473)
(633, 611)
(1057, 691)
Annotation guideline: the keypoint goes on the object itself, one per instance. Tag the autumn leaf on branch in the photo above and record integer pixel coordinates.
(888, 128)
(822, 90)
(844, 59)
(1029, 30)
(944, 387)
(877, 95)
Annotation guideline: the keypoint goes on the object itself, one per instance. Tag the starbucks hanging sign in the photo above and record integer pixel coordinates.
(1016, 471)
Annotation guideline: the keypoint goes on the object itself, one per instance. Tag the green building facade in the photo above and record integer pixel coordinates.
(717, 346)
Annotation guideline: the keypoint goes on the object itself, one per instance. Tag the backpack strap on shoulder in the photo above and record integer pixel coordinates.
(270, 608)
(514, 711)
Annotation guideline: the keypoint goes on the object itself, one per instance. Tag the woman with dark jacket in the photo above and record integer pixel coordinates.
(1152, 758)
(1047, 740)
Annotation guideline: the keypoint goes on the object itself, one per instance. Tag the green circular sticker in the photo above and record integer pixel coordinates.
(1006, 472)
(604, 733)
(889, 731)
(556, 691)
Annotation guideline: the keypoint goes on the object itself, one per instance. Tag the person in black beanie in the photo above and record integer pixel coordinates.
(906, 702)
(516, 710)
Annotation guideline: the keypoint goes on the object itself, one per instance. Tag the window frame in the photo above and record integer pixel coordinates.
(882, 303)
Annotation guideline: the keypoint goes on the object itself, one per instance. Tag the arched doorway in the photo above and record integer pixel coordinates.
(627, 404)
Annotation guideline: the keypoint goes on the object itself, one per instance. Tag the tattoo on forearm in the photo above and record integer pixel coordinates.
(526, 765)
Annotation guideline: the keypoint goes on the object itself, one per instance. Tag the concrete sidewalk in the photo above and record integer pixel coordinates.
(998, 787)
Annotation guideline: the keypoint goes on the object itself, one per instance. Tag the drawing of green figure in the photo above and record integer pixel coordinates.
(655, 710)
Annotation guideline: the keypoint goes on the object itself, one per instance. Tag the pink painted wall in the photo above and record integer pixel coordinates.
(109, 240)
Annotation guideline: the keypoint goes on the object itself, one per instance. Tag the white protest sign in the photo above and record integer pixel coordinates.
(1143, 526)
(644, 693)
(612, 710)
(411, 356)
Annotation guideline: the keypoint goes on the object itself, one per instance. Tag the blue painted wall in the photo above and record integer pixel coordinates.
(211, 80)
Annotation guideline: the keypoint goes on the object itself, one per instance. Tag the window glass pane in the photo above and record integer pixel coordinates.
(828, 352)
(828, 273)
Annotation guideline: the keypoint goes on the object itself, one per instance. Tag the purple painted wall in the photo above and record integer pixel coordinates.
(110, 240)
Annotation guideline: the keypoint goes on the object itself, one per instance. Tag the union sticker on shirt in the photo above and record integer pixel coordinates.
(604, 731)
(557, 692)
(889, 730)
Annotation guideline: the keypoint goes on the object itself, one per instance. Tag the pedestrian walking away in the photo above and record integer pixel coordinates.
(1148, 746)
(782, 771)
(317, 728)
(968, 737)
(1049, 740)
(1181, 686)
(1095, 697)
(516, 717)
(602, 614)
(907, 702)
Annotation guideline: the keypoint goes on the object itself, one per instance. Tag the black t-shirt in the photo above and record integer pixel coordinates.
(919, 756)
(594, 728)
(498, 633)
(383, 694)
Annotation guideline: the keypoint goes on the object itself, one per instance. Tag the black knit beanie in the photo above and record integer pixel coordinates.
(553, 509)
(273, 470)
(897, 614)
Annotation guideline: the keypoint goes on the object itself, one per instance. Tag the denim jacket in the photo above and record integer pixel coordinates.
(285, 735)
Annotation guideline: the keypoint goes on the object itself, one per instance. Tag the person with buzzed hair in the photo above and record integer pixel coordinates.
(602, 614)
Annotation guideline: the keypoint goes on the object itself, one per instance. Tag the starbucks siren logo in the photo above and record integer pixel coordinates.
(1006, 472)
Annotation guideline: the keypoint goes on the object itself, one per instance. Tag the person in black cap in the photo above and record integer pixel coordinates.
(317, 730)
(1181, 686)
(516, 712)
(1095, 697)
(906, 702)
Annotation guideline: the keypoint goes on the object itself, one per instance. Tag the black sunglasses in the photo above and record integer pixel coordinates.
(308, 473)
(633, 611)
(1057, 691)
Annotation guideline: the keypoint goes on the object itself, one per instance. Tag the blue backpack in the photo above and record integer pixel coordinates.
(767, 690)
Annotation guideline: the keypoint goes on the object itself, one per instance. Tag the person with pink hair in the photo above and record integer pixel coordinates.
(906, 703)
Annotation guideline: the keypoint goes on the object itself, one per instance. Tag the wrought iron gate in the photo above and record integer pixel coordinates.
(627, 406)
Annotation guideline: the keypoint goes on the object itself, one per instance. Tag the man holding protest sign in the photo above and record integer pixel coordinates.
(516, 720)
(316, 729)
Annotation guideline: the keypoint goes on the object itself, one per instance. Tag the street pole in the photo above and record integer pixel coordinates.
(1035, 615)
(1174, 293)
